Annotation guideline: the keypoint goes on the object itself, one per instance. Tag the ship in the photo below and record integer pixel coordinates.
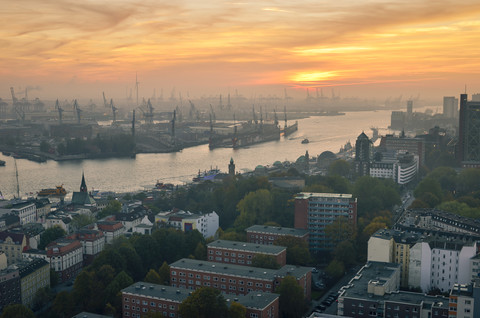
(2, 163)
(288, 130)
(58, 191)
(305, 141)
(206, 175)
(264, 134)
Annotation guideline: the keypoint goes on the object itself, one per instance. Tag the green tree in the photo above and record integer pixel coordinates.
(42, 296)
(50, 235)
(53, 278)
(205, 302)
(335, 269)
(265, 261)
(44, 146)
(81, 220)
(153, 277)
(254, 208)
(17, 311)
(63, 304)
(111, 208)
(164, 273)
(292, 302)
(339, 167)
(82, 288)
(467, 181)
(340, 230)
(297, 250)
(346, 253)
(200, 252)
(237, 310)
(429, 185)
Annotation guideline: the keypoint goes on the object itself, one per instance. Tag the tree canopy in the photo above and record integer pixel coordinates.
(205, 302)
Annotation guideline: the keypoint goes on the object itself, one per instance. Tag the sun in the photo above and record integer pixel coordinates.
(313, 76)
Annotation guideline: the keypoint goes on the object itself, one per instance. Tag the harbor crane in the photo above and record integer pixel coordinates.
(60, 111)
(104, 100)
(17, 106)
(77, 109)
(114, 110)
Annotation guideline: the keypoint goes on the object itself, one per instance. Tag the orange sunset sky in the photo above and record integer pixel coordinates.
(365, 48)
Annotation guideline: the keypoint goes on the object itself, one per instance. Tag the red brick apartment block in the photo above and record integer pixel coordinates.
(235, 279)
(241, 253)
(141, 298)
(262, 234)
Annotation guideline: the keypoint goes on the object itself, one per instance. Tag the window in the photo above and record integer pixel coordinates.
(190, 281)
(152, 304)
(197, 276)
(190, 275)
(174, 273)
(172, 307)
(126, 299)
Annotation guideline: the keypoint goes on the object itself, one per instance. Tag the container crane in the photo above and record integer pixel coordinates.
(60, 111)
(114, 110)
(77, 109)
(17, 106)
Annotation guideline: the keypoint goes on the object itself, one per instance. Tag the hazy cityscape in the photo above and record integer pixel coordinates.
(240, 159)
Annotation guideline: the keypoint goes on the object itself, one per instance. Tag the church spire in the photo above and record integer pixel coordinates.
(83, 186)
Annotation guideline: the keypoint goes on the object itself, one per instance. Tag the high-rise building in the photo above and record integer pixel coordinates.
(450, 106)
(409, 109)
(468, 151)
(363, 150)
(315, 211)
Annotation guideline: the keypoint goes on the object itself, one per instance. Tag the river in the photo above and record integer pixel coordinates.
(128, 174)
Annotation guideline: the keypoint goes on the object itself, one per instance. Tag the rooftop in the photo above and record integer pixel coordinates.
(398, 236)
(248, 247)
(276, 230)
(308, 195)
(239, 270)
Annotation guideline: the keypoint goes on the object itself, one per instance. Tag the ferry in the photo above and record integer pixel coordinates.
(58, 191)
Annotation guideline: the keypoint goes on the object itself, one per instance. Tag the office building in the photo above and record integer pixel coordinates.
(263, 234)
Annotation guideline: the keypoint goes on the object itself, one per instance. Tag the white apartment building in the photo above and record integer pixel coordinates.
(440, 263)
(207, 223)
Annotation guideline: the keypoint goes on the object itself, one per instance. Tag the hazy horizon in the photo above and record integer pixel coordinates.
(365, 49)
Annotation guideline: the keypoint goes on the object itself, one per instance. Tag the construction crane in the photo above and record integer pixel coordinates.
(60, 111)
(173, 124)
(114, 110)
(77, 109)
(254, 115)
(104, 100)
(17, 107)
(212, 114)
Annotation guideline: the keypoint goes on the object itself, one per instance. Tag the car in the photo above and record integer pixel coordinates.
(321, 308)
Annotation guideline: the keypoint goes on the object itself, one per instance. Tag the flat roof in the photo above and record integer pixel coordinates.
(276, 230)
(256, 300)
(247, 247)
(239, 270)
(307, 195)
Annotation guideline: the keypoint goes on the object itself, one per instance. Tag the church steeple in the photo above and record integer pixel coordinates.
(231, 168)
(83, 186)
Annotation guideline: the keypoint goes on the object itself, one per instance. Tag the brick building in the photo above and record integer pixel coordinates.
(235, 279)
(140, 298)
(66, 258)
(263, 234)
(93, 242)
(111, 230)
(242, 253)
(315, 211)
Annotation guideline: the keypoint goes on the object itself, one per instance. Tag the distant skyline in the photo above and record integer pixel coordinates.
(369, 49)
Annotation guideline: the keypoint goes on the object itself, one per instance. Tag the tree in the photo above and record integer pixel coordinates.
(265, 261)
(335, 269)
(81, 220)
(346, 253)
(340, 230)
(254, 208)
(237, 310)
(297, 250)
(153, 277)
(339, 167)
(200, 252)
(63, 304)
(112, 207)
(50, 235)
(164, 273)
(205, 302)
(17, 311)
(429, 185)
(292, 302)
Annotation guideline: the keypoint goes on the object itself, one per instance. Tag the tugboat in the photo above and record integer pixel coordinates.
(305, 141)
(58, 191)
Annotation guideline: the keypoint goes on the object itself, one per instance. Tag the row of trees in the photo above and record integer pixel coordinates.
(446, 189)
